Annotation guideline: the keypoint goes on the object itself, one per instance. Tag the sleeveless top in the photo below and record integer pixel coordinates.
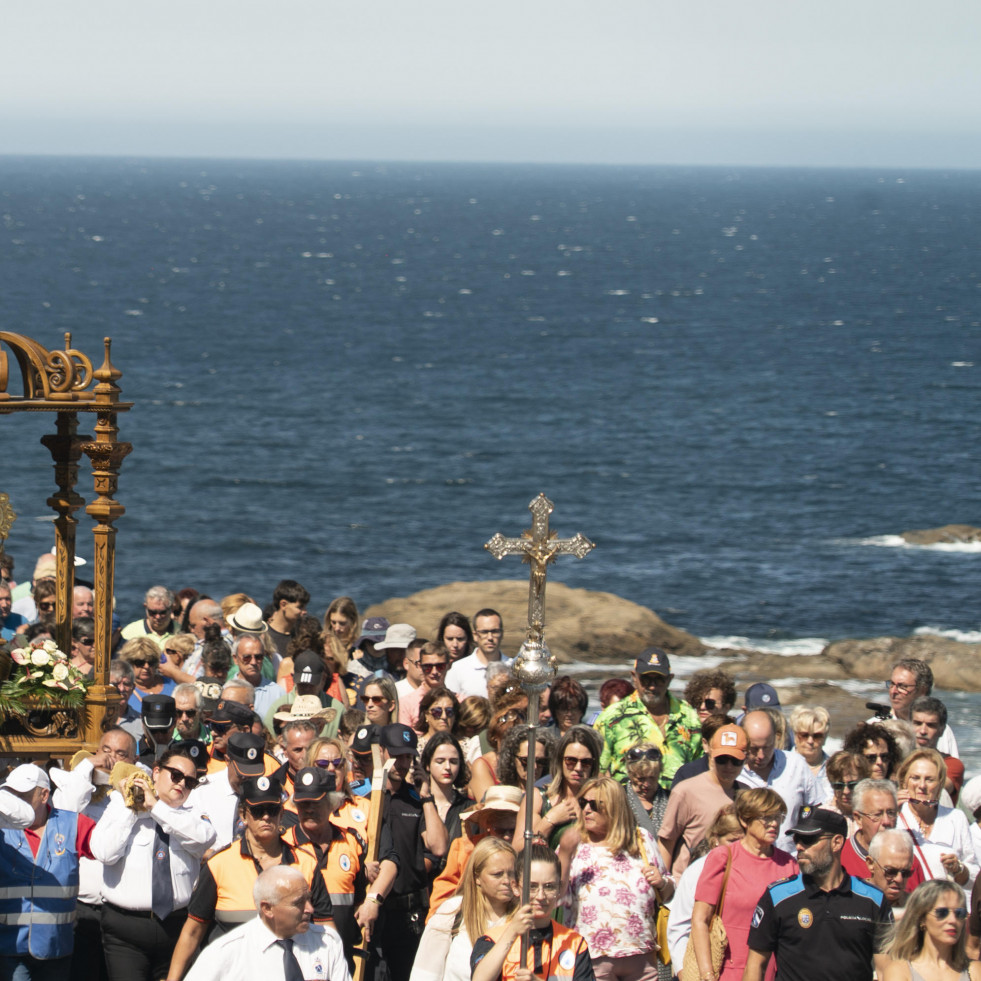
(916, 976)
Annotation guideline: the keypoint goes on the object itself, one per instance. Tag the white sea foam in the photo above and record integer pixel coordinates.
(897, 541)
(804, 646)
(964, 636)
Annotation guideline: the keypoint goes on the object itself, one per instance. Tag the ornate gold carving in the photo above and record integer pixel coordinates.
(7, 518)
(55, 376)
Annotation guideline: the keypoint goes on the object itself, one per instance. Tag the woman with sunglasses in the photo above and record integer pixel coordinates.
(143, 655)
(509, 710)
(930, 940)
(810, 727)
(575, 760)
(616, 881)
(151, 853)
(381, 701)
(753, 863)
(513, 759)
(710, 692)
(567, 703)
(222, 898)
(648, 800)
(941, 836)
(877, 744)
(844, 772)
(437, 713)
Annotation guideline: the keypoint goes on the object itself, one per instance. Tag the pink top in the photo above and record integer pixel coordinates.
(748, 879)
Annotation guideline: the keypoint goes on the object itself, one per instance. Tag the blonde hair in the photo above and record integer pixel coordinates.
(621, 827)
(805, 717)
(475, 911)
(907, 941)
(335, 648)
(233, 602)
(922, 754)
(758, 802)
(139, 648)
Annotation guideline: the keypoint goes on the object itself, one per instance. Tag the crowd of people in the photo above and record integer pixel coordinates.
(287, 796)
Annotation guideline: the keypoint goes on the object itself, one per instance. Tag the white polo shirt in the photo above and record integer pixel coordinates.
(468, 676)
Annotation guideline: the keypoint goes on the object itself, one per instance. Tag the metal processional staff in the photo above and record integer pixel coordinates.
(534, 666)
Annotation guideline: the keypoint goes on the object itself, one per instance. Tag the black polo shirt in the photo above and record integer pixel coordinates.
(817, 935)
(404, 821)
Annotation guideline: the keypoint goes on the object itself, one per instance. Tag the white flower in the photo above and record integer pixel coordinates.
(21, 656)
(60, 672)
(41, 658)
(50, 683)
(50, 646)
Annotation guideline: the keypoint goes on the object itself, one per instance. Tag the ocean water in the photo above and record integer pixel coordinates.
(741, 384)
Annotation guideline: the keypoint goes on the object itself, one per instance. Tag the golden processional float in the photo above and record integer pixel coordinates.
(63, 382)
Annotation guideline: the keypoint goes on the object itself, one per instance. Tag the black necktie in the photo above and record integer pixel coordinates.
(161, 888)
(291, 966)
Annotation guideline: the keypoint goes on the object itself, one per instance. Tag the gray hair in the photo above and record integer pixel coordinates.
(273, 883)
(161, 593)
(243, 684)
(119, 668)
(870, 786)
(890, 836)
(298, 725)
(187, 688)
(495, 668)
(241, 637)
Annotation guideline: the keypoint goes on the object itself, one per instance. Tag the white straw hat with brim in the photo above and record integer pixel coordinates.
(247, 619)
(305, 707)
(497, 800)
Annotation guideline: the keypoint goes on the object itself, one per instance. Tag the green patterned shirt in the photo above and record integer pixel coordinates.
(627, 722)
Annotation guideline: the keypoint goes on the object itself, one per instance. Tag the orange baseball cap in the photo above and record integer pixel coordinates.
(729, 741)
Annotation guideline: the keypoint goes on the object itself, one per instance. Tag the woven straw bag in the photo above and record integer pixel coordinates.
(718, 941)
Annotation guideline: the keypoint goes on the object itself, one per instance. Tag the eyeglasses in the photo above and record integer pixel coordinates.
(844, 784)
(437, 713)
(816, 736)
(374, 699)
(414, 663)
(539, 761)
(578, 762)
(260, 811)
(806, 841)
(902, 689)
(891, 873)
(434, 667)
(190, 713)
(708, 703)
(942, 912)
(250, 658)
(515, 715)
(172, 652)
(489, 633)
(143, 663)
(636, 754)
(157, 613)
(883, 757)
(878, 815)
(334, 763)
(770, 818)
(591, 804)
(179, 776)
(543, 888)
(725, 760)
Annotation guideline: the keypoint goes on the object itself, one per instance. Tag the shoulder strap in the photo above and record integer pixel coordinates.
(725, 881)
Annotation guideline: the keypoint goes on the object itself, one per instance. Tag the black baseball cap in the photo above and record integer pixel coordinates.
(364, 737)
(653, 661)
(398, 739)
(308, 668)
(158, 711)
(228, 712)
(246, 753)
(195, 750)
(819, 821)
(262, 790)
(313, 783)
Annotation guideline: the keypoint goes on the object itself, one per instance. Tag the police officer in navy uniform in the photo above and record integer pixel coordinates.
(822, 923)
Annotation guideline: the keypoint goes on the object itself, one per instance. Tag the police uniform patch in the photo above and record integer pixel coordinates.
(758, 916)
(59, 844)
(358, 815)
(406, 736)
(345, 863)
(362, 734)
(262, 783)
(251, 753)
(195, 752)
(805, 918)
(567, 960)
(307, 779)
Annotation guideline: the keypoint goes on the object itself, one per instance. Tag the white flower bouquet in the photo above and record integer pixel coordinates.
(42, 676)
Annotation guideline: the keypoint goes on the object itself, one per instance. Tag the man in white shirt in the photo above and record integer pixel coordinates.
(281, 944)
(468, 676)
(786, 773)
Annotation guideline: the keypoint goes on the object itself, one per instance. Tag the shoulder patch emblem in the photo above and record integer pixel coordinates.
(757, 916)
(567, 960)
(345, 863)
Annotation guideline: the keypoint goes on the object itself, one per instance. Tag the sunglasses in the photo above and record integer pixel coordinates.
(635, 755)
(143, 663)
(251, 658)
(172, 652)
(220, 728)
(942, 912)
(438, 713)
(891, 873)
(884, 757)
(726, 760)
(374, 699)
(87, 641)
(844, 784)
(590, 804)
(327, 764)
(46, 606)
(157, 613)
(539, 761)
(515, 715)
(179, 776)
(190, 713)
(806, 841)
(709, 703)
(441, 666)
(576, 762)
(260, 811)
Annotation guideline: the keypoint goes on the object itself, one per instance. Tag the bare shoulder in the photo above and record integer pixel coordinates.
(974, 970)
(897, 971)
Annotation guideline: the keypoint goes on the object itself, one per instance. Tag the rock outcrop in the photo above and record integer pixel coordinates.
(581, 625)
(947, 535)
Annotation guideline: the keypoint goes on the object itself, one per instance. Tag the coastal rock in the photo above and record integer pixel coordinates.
(955, 665)
(580, 624)
(947, 535)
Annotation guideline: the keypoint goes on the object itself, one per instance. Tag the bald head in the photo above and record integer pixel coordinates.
(762, 742)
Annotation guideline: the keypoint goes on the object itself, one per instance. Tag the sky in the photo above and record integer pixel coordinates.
(758, 82)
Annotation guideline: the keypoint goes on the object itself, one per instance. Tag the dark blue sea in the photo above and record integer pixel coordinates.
(741, 384)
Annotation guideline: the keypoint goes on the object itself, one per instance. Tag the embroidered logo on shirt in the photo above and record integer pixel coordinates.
(567, 960)
(758, 916)
(805, 918)
(345, 863)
